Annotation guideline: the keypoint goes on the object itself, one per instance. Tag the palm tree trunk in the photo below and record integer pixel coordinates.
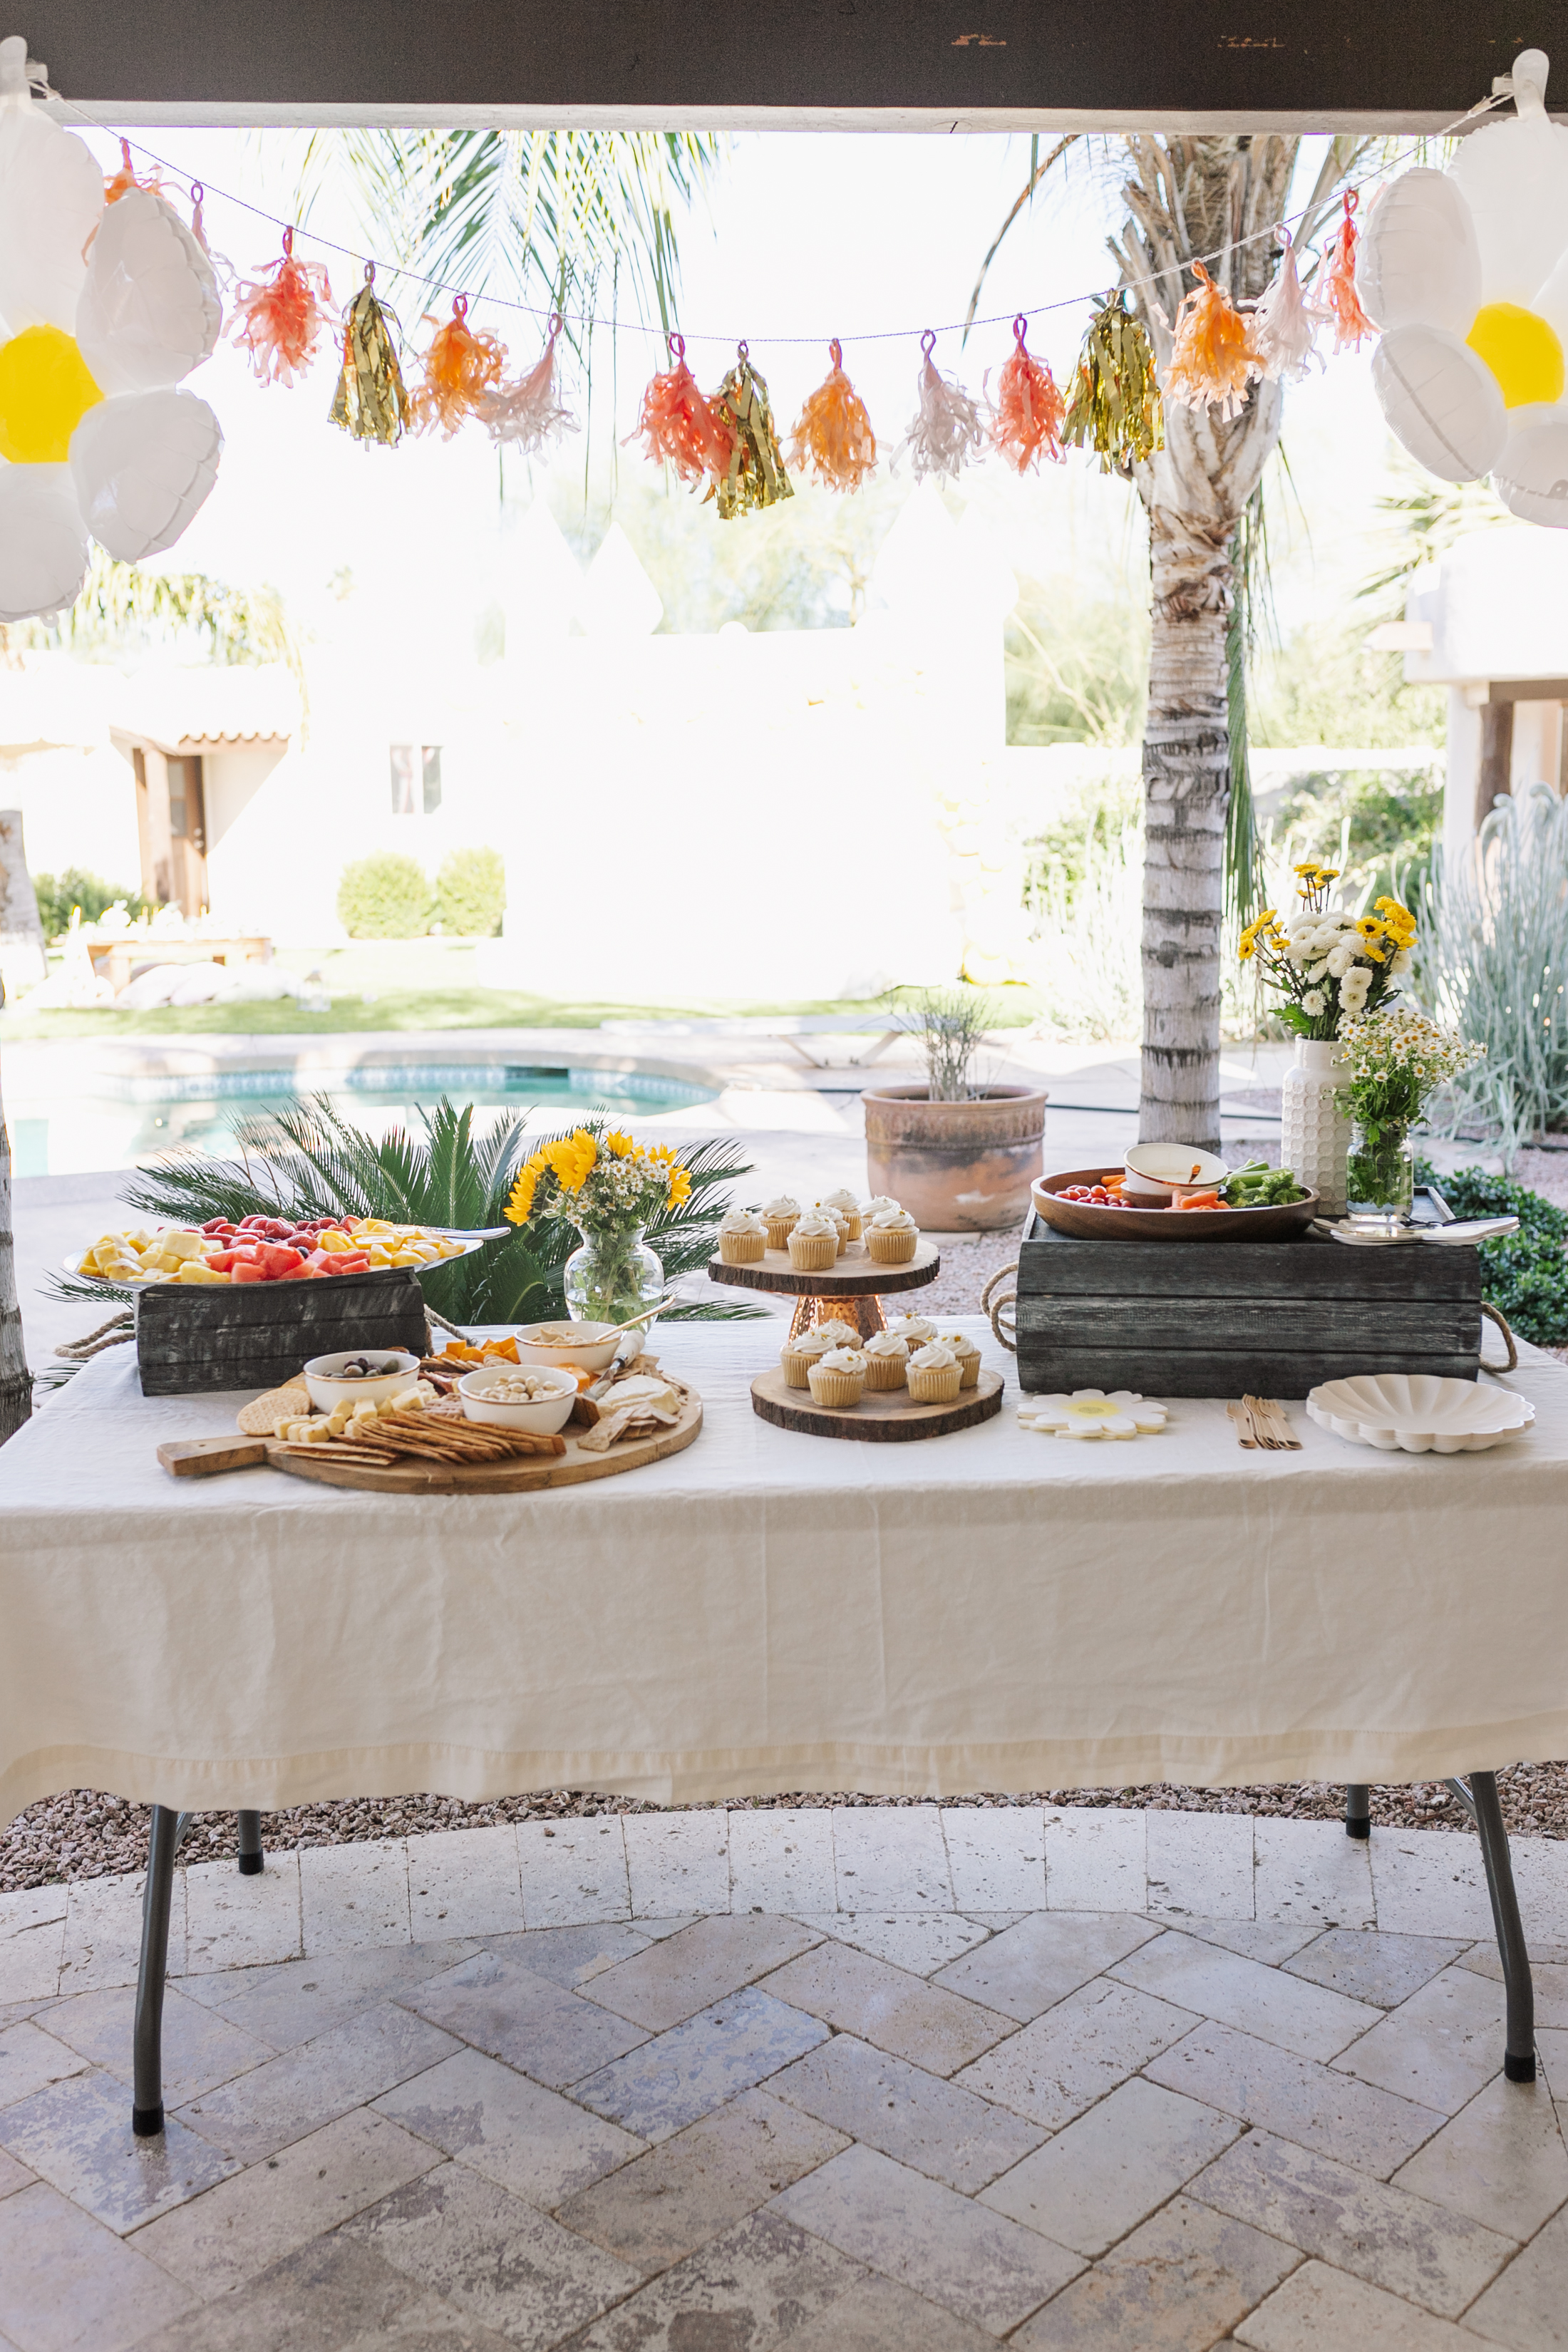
(15, 1381)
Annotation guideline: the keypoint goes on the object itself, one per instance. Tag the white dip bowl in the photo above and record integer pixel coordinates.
(591, 1352)
(540, 1419)
(327, 1388)
(1163, 1171)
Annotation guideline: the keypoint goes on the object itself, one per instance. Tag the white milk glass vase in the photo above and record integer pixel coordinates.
(1315, 1121)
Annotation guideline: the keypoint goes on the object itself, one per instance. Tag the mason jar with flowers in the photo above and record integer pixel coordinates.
(609, 1187)
(1328, 967)
(1397, 1059)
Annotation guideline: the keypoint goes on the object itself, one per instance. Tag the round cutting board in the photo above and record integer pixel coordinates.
(855, 1274)
(887, 1416)
(335, 1465)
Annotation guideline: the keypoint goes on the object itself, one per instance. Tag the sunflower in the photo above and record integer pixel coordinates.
(520, 1206)
(572, 1159)
(623, 1146)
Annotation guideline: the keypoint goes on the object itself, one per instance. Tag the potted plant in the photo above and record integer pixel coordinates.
(960, 1155)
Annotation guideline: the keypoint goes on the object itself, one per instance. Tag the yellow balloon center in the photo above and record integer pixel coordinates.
(1521, 352)
(45, 390)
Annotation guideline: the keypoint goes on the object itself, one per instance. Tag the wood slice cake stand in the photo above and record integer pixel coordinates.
(850, 1288)
(886, 1416)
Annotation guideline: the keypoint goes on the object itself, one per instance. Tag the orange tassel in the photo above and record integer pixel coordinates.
(1336, 282)
(280, 317)
(121, 182)
(833, 437)
(678, 426)
(461, 368)
(1028, 422)
(1214, 358)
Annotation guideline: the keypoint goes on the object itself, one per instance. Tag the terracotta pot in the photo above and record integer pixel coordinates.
(957, 1167)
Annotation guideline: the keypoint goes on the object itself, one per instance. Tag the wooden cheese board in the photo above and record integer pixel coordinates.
(884, 1416)
(335, 1466)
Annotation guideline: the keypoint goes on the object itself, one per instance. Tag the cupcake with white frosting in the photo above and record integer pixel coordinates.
(838, 1378)
(742, 1238)
(886, 1360)
(798, 1355)
(878, 1200)
(934, 1375)
(916, 1330)
(892, 1236)
(781, 1217)
(968, 1355)
(840, 1221)
(839, 1334)
(813, 1242)
(848, 1205)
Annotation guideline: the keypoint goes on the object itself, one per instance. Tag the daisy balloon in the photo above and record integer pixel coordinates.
(1466, 272)
(1089, 1412)
(103, 310)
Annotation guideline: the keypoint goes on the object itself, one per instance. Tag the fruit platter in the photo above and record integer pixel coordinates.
(1251, 1203)
(265, 1249)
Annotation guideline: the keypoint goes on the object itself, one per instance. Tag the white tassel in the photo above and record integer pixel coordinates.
(528, 415)
(948, 428)
(1284, 324)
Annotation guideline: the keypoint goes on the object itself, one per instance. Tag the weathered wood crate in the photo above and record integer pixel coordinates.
(1229, 1319)
(256, 1335)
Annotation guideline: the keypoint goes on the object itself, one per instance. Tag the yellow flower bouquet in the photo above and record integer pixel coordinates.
(1329, 965)
(611, 1188)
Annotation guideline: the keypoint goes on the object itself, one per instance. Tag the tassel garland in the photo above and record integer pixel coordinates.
(1028, 422)
(833, 437)
(677, 426)
(1336, 282)
(947, 427)
(371, 403)
(1213, 361)
(461, 368)
(1115, 406)
(527, 416)
(121, 182)
(281, 316)
(754, 476)
(1284, 324)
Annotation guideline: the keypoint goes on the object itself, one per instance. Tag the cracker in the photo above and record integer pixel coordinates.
(260, 1417)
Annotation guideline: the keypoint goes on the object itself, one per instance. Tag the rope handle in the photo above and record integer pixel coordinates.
(1007, 1305)
(119, 1329)
(1495, 1315)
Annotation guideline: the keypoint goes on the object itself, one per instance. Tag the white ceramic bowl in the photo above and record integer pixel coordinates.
(1162, 1171)
(327, 1389)
(541, 1420)
(591, 1353)
(1417, 1413)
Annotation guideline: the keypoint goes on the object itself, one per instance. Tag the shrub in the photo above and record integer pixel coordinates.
(58, 894)
(1523, 1274)
(385, 897)
(470, 893)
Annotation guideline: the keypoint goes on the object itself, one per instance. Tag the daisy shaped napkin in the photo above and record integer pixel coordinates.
(1089, 1412)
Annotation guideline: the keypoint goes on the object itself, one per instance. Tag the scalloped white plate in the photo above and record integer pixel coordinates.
(1417, 1413)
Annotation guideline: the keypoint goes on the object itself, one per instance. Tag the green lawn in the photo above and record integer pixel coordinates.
(393, 984)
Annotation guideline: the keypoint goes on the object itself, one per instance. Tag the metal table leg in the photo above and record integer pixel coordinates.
(147, 2094)
(1479, 1799)
(250, 1858)
(1358, 1810)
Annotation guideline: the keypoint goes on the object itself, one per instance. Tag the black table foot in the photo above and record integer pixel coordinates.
(250, 1856)
(1358, 1810)
(1480, 1801)
(147, 2051)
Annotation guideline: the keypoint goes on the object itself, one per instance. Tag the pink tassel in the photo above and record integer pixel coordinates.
(947, 428)
(527, 416)
(1284, 324)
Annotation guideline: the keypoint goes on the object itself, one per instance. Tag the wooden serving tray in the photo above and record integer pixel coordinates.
(886, 1416)
(1086, 1222)
(855, 1274)
(335, 1467)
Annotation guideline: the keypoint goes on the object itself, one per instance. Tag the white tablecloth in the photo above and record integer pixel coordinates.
(767, 1611)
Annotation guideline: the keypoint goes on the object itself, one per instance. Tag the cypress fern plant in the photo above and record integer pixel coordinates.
(313, 1163)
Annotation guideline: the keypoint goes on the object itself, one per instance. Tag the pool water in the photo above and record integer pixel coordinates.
(147, 1117)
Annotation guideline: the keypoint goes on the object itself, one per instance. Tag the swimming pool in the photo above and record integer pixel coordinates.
(127, 1120)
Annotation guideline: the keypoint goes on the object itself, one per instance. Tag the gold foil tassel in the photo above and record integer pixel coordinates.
(755, 474)
(1115, 407)
(371, 401)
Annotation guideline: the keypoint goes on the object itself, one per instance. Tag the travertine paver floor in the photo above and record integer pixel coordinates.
(919, 2079)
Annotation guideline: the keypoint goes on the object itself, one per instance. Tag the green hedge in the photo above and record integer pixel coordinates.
(471, 894)
(58, 894)
(385, 897)
(1523, 1274)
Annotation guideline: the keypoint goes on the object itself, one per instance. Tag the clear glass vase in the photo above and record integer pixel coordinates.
(1379, 1177)
(613, 1277)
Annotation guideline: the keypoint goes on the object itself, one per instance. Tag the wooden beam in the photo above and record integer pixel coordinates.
(891, 65)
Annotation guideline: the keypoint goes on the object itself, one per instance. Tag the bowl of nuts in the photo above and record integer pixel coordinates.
(518, 1397)
(373, 1373)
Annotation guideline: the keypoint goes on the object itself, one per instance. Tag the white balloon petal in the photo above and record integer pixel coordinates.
(1440, 401)
(1514, 177)
(149, 311)
(142, 464)
(51, 198)
(1530, 476)
(1418, 262)
(43, 547)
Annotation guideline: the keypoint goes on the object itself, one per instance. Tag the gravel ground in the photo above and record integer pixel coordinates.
(86, 1834)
